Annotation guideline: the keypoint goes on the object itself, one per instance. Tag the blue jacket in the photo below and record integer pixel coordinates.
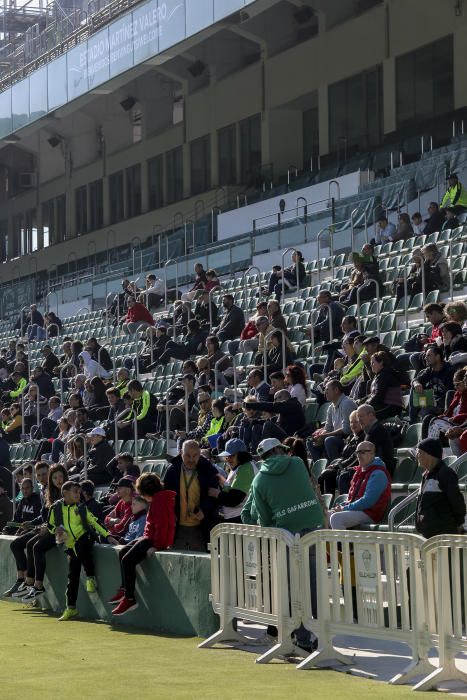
(135, 528)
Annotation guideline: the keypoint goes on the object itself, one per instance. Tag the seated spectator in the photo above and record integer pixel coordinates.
(291, 416)
(194, 480)
(30, 408)
(418, 225)
(438, 268)
(193, 344)
(385, 392)
(430, 387)
(371, 280)
(137, 319)
(414, 278)
(110, 413)
(215, 355)
(91, 368)
(330, 439)
(330, 315)
(199, 283)
(451, 221)
(99, 353)
(277, 381)
(50, 360)
(440, 508)
(28, 508)
(404, 229)
(435, 315)
(87, 493)
(121, 465)
(201, 312)
(217, 426)
(456, 311)
(118, 520)
(156, 341)
(43, 381)
(143, 408)
(369, 494)
(212, 281)
(235, 488)
(435, 219)
(276, 319)
(291, 274)
(384, 231)
(249, 340)
(154, 293)
(34, 324)
(49, 425)
(204, 418)
(377, 433)
(100, 454)
(295, 380)
(178, 399)
(339, 472)
(137, 522)
(259, 388)
(232, 322)
(454, 343)
(356, 278)
(453, 422)
(6, 506)
(158, 533)
(65, 359)
(275, 357)
(455, 196)
(248, 426)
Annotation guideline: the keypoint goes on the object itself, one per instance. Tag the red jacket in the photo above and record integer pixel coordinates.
(160, 520)
(122, 511)
(249, 331)
(139, 312)
(436, 332)
(461, 399)
(358, 487)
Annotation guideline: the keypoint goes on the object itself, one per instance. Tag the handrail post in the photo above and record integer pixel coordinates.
(135, 433)
(313, 318)
(136, 355)
(167, 417)
(451, 276)
(13, 487)
(210, 308)
(406, 305)
(245, 284)
(107, 325)
(336, 183)
(297, 271)
(38, 406)
(373, 281)
(171, 261)
(47, 305)
(216, 381)
(102, 347)
(318, 240)
(116, 432)
(23, 428)
(67, 366)
(187, 418)
(234, 361)
(22, 320)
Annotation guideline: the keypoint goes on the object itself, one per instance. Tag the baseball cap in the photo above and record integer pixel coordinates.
(99, 432)
(267, 445)
(233, 447)
(124, 481)
(372, 339)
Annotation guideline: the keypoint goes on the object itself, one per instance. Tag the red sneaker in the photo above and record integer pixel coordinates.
(124, 606)
(117, 597)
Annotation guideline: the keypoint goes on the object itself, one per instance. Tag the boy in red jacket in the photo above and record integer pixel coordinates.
(118, 519)
(159, 533)
(137, 318)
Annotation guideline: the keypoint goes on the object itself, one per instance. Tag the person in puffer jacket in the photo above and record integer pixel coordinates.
(159, 533)
(369, 493)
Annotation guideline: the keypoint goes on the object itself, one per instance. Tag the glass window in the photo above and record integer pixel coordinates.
(156, 182)
(356, 112)
(81, 210)
(96, 205)
(48, 222)
(171, 22)
(200, 165)
(121, 45)
(6, 123)
(56, 82)
(133, 191)
(146, 31)
(174, 175)
(425, 82)
(77, 72)
(310, 137)
(60, 207)
(199, 14)
(3, 239)
(116, 197)
(20, 104)
(250, 149)
(222, 8)
(97, 57)
(38, 93)
(227, 153)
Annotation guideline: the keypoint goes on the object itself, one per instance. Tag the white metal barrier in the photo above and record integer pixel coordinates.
(253, 574)
(382, 585)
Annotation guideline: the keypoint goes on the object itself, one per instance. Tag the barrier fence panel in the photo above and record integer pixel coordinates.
(364, 581)
(445, 583)
(254, 572)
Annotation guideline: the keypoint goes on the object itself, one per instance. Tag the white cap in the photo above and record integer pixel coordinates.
(267, 445)
(97, 432)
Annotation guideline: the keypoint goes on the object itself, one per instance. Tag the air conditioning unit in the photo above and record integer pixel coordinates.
(27, 180)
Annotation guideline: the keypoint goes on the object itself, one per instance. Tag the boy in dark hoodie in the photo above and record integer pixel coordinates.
(6, 506)
(159, 533)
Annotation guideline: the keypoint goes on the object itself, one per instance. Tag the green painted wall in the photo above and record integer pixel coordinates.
(172, 588)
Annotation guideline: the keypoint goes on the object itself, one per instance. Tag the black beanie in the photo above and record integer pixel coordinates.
(431, 447)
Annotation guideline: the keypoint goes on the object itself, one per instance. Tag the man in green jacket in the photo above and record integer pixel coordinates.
(456, 195)
(282, 495)
(73, 525)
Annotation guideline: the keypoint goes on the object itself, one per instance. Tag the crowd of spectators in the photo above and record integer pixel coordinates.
(241, 444)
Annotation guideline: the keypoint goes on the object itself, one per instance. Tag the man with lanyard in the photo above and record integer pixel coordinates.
(194, 480)
(144, 407)
(456, 195)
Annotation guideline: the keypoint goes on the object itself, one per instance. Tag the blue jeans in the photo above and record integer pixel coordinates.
(35, 332)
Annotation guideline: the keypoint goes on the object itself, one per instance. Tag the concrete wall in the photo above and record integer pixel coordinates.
(172, 588)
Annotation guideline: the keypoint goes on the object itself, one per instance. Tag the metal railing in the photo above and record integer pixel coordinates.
(171, 261)
(47, 301)
(378, 311)
(405, 269)
(357, 210)
(167, 413)
(245, 285)
(62, 369)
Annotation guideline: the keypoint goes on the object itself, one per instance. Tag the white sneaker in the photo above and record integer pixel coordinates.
(22, 591)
